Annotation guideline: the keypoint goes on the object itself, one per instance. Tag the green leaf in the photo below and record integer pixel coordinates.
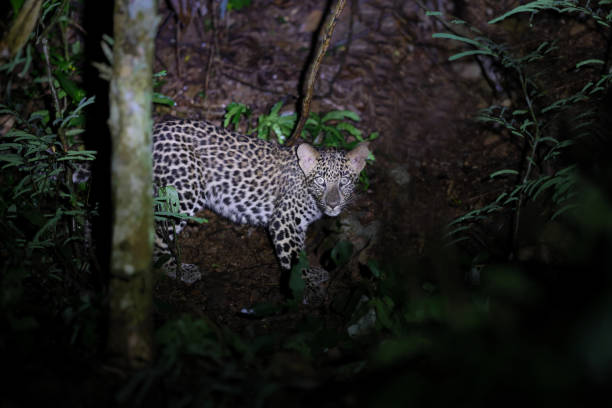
(79, 155)
(9, 146)
(42, 115)
(563, 209)
(233, 113)
(11, 159)
(342, 252)
(75, 113)
(589, 61)
(546, 185)
(169, 199)
(471, 52)
(457, 38)
(341, 115)
(276, 108)
(238, 4)
(69, 86)
(502, 172)
(352, 130)
(162, 99)
(296, 283)
(74, 132)
(384, 307)
(457, 230)
(48, 225)
(374, 268)
(532, 7)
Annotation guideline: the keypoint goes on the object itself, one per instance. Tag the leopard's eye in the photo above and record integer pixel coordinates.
(344, 181)
(320, 181)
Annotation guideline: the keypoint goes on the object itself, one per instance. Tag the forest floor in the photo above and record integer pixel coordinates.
(432, 161)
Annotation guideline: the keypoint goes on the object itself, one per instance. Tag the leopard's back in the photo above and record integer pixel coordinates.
(237, 176)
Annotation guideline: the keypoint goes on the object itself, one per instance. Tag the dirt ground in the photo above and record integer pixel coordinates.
(431, 164)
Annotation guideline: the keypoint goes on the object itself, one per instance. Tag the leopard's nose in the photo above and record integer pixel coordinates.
(333, 198)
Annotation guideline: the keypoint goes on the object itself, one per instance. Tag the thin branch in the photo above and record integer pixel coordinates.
(530, 160)
(58, 110)
(313, 70)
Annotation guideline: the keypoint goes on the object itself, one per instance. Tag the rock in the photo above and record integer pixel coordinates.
(470, 71)
(360, 235)
(366, 323)
(400, 175)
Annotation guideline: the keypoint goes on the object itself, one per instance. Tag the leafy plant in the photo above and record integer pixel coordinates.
(532, 115)
(158, 97)
(187, 344)
(235, 111)
(275, 122)
(330, 130)
(167, 213)
(43, 213)
(45, 207)
(238, 4)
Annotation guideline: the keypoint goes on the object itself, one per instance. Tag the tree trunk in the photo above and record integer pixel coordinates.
(130, 326)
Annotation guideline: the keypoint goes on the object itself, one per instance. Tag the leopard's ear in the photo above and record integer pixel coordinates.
(357, 157)
(307, 156)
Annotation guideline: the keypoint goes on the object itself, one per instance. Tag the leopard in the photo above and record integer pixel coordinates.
(253, 181)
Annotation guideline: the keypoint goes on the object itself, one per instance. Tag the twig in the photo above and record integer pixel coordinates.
(530, 160)
(313, 69)
(58, 110)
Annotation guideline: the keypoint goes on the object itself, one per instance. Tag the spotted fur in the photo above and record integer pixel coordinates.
(252, 181)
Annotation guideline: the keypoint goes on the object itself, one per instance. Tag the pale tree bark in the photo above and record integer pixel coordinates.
(130, 325)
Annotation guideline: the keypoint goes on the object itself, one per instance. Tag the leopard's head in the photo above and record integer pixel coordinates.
(331, 174)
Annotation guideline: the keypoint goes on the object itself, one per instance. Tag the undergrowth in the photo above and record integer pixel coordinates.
(44, 209)
(546, 122)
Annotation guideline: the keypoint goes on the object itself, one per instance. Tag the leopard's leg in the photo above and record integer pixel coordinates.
(288, 240)
(188, 273)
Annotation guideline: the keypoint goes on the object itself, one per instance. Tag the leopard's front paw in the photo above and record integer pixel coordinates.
(315, 285)
(188, 273)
